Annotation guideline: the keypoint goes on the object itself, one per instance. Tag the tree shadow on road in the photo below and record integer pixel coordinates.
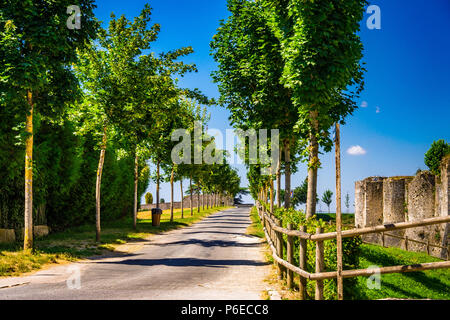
(208, 243)
(188, 262)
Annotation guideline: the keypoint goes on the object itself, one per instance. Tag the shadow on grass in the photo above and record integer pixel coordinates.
(414, 285)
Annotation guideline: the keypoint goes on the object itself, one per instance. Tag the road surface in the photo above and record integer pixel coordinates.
(211, 260)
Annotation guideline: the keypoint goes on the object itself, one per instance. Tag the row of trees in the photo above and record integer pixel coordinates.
(293, 66)
(106, 90)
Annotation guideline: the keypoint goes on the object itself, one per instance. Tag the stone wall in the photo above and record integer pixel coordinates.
(381, 200)
(369, 206)
(177, 205)
(7, 236)
(395, 205)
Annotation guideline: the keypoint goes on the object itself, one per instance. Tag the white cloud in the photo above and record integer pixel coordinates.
(356, 151)
(364, 104)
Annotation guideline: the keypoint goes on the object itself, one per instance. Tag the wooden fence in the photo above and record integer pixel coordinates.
(274, 234)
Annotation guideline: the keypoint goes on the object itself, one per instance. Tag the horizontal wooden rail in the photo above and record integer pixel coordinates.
(416, 241)
(357, 231)
(382, 228)
(382, 270)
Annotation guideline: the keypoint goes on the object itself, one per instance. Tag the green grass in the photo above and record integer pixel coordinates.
(347, 219)
(77, 243)
(255, 229)
(432, 284)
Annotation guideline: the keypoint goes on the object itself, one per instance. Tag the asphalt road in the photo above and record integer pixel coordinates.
(211, 260)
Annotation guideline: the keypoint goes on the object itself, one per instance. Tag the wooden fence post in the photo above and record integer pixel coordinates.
(383, 239)
(279, 242)
(428, 246)
(406, 243)
(303, 265)
(290, 258)
(319, 265)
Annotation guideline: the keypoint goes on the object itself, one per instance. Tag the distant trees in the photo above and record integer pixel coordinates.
(327, 198)
(433, 158)
(347, 202)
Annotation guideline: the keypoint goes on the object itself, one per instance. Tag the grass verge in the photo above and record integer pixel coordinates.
(78, 243)
(430, 284)
(255, 229)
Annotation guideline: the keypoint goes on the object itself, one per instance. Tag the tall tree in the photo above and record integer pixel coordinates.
(37, 51)
(321, 67)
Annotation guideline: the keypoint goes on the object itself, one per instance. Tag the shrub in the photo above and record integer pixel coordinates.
(148, 198)
(439, 149)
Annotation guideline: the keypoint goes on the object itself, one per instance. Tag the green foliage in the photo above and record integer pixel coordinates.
(351, 252)
(162, 200)
(300, 193)
(327, 198)
(433, 158)
(64, 184)
(321, 53)
(148, 198)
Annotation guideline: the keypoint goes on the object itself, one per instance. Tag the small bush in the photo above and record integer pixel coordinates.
(148, 198)
(439, 149)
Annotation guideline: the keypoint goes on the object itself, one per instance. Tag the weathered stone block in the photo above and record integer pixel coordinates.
(7, 235)
(360, 192)
(373, 206)
(395, 206)
(421, 205)
(38, 232)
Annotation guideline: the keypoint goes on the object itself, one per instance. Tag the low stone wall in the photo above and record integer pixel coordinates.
(7, 235)
(38, 232)
(177, 205)
(380, 200)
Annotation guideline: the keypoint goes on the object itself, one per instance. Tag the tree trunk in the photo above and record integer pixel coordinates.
(287, 175)
(271, 191)
(171, 194)
(99, 185)
(198, 200)
(279, 181)
(136, 181)
(182, 200)
(203, 200)
(340, 282)
(313, 167)
(28, 214)
(157, 183)
(190, 197)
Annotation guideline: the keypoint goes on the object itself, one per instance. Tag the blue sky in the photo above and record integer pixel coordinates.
(406, 98)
